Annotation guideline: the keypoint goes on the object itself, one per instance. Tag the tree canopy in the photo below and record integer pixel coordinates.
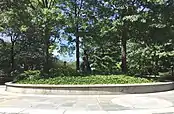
(116, 36)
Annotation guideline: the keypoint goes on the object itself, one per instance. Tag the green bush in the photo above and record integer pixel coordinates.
(94, 79)
(29, 74)
(62, 72)
(149, 59)
(33, 74)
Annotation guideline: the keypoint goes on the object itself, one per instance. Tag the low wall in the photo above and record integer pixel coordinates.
(99, 89)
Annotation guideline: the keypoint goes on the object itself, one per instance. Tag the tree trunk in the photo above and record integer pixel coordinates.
(77, 38)
(77, 54)
(123, 47)
(47, 44)
(12, 55)
(46, 65)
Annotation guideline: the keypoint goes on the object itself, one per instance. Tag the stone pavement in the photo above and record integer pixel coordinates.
(152, 103)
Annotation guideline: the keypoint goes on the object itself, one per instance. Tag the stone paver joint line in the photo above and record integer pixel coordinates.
(152, 103)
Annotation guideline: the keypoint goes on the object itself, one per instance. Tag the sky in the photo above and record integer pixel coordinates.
(6, 39)
(64, 57)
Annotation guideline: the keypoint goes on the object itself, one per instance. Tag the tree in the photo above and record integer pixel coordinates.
(112, 32)
(73, 11)
(11, 28)
(48, 17)
(43, 15)
(5, 58)
(2, 41)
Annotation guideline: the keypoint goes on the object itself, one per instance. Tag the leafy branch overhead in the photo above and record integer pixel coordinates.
(115, 36)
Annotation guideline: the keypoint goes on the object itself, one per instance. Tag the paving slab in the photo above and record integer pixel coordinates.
(152, 103)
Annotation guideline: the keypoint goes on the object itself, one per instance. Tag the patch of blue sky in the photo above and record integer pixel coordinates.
(68, 56)
(64, 57)
(4, 37)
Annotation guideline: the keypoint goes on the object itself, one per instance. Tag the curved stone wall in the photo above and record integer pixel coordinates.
(99, 89)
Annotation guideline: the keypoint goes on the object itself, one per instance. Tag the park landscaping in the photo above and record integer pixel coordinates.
(87, 46)
(86, 80)
(86, 42)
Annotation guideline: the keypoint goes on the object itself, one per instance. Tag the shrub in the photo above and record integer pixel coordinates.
(97, 79)
(33, 74)
(62, 71)
(29, 74)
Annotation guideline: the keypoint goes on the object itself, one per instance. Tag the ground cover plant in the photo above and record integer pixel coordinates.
(93, 79)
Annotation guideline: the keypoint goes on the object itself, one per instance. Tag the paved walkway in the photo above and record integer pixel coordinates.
(153, 103)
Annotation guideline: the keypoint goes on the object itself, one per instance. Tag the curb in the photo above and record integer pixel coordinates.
(111, 89)
(54, 111)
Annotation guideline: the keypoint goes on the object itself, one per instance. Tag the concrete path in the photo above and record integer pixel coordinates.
(153, 103)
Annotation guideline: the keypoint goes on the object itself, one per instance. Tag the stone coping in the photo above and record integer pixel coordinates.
(97, 89)
(94, 85)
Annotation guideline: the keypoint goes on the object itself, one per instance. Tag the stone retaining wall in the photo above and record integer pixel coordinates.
(111, 89)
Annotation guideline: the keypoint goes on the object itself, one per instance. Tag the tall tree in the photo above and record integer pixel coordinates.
(47, 16)
(75, 13)
(41, 14)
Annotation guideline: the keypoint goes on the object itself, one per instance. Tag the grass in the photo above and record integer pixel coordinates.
(93, 79)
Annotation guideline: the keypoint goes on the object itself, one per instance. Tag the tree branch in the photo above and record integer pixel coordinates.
(43, 2)
(32, 6)
(46, 3)
(79, 9)
(52, 2)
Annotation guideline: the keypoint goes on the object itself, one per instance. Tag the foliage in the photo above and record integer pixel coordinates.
(5, 58)
(30, 74)
(94, 79)
(60, 69)
(130, 36)
(105, 60)
(150, 59)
